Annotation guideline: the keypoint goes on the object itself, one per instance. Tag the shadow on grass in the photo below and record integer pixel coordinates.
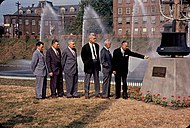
(90, 115)
(17, 119)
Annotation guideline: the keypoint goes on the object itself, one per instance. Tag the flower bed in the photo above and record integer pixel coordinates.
(179, 101)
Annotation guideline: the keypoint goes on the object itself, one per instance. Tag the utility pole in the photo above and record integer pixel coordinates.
(18, 6)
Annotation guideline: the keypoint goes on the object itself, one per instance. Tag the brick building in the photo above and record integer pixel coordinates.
(130, 20)
(28, 19)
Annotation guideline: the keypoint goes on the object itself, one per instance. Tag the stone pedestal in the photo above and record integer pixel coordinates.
(167, 77)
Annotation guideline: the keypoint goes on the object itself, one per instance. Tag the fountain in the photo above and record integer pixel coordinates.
(91, 24)
(136, 66)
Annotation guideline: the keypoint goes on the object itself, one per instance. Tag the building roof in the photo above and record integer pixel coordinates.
(57, 9)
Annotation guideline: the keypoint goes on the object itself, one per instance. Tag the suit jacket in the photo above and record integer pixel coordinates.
(38, 65)
(53, 61)
(106, 60)
(120, 62)
(69, 62)
(87, 58)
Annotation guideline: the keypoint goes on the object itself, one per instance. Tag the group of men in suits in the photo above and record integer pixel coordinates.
(56, 63)
(118, 65)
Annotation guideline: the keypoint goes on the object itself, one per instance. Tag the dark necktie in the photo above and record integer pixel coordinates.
(94, 51)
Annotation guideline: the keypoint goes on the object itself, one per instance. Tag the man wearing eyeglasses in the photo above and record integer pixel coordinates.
(90, 58)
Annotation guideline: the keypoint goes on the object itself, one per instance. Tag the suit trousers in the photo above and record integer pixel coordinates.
(71, 84)
(41, 84)
(118, 78)
(56, 83)
(106, 84)
(95, 73)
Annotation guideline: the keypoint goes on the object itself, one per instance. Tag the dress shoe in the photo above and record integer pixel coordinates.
(97, 97)
(53, 96)
(87, 97)
(69, 97)
(125, 97)
(76, 96)
(103, 97)
(117, 97)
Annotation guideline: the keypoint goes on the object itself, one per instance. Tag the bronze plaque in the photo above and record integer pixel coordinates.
(159, 71)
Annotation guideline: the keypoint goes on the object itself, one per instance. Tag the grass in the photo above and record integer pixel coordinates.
(20, 109)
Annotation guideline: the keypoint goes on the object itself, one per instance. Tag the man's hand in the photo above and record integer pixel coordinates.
(146, 57)
(51, 74)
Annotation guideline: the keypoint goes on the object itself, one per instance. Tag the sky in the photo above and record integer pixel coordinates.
(9, 6)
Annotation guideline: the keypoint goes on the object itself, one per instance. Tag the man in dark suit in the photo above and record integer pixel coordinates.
(120, 67)
(53, 60)
(70, 69)
(39, 69)
(106, 61)
(90, 58)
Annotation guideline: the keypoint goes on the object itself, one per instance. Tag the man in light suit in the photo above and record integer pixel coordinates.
(53, 61)
(38, 67)
(70, 69)
(90, 58)
(120, 67)
(106, 61)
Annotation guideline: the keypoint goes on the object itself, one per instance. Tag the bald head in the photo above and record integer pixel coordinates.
(71, 44)
(107, 44)
(124, 45)
(92, 38)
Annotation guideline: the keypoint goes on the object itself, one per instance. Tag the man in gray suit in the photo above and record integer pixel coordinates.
(106, 61)
(70, 69)
(39, 70)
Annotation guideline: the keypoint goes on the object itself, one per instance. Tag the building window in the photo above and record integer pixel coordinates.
(153, 30)
(20, 21)
(72, 9)
(144, 19)
(136, 30)
(46, 23)
(153, 9)
(136, 20)
(127, 31)
(136, 10)
(145, 10)
(6, 21)
(153, 19)
(20, 12)
(144, 30)
(127, 1)
(62, 10)
(128, 20)
(119, 10)
(13, 21)
(163, 8)
(120, 31)
(119, 1)
(33, 22)
(119, 20)
(28, 11)
(128, 10)
(161, 19)
(26, 22)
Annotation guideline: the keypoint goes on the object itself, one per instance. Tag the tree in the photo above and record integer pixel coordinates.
(103, 7)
